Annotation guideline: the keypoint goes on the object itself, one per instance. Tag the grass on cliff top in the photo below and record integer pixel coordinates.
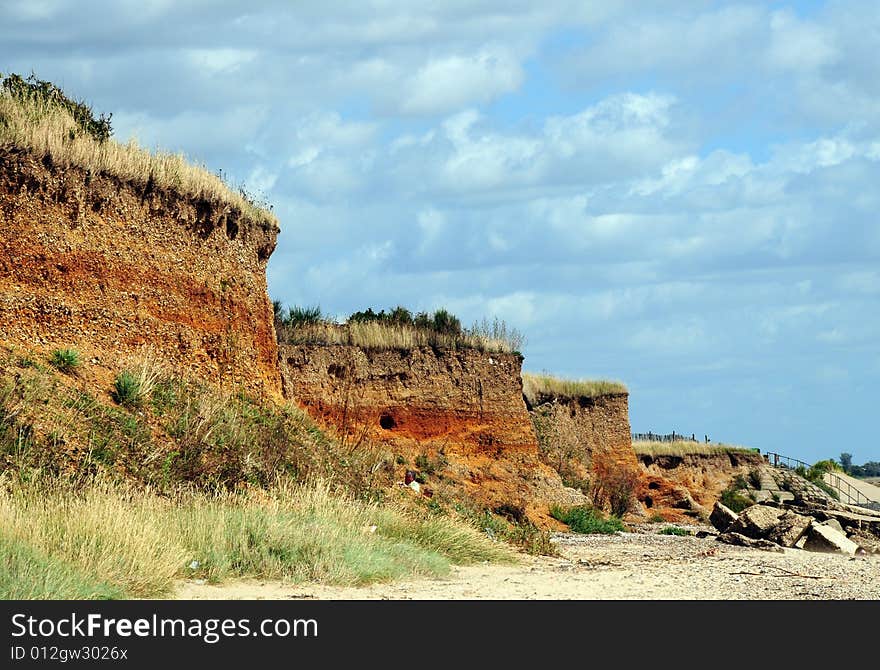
(398, 329)
(687, 448)
(110, 540)
(37, 117)
(540, 386)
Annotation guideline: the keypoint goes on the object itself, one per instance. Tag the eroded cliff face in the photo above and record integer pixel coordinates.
(111, 267)
(588, 442)
(678, 487)
(574, 432)
(460, 411)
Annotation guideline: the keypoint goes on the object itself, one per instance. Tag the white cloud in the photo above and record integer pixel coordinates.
(448, 83)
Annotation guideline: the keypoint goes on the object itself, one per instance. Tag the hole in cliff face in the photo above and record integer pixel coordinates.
(387, 422)
(653, 486)
(231, 229)
(337, 371)
(649, 502)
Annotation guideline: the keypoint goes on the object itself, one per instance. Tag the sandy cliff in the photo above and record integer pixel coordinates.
(109, 267)
(460, 410)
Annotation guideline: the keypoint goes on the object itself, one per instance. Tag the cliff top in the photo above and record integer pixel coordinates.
(539, 388)
(37, 117)
(398, 329)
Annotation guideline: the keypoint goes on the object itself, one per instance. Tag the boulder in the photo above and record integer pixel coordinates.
(722, 517)
(790, 528)
(756, 521)
(821, 537)
(833, 523)
(682, 500)
(741, 540)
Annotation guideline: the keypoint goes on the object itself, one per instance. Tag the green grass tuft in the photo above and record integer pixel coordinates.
(65, 360)
(584, 519)
(674, 530)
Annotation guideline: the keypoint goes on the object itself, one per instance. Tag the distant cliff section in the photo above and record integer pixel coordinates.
(455, 415)
(583, 432)
(110, 265)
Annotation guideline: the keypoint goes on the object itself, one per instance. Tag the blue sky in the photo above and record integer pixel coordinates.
(681, 195)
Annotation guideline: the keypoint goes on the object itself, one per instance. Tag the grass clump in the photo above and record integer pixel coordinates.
(540, 388)
(127, 389)
(586, 520)
(674, 530)
(110, 540)
(37, 116)
(65, 360)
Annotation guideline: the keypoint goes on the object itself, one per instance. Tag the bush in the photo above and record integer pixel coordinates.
(614, 484)
(45, 92)
(736, 501)
(586, 520)
(65, 360)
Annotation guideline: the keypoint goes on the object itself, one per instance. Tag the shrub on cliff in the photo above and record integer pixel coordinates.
(39, 93)
(395, 329)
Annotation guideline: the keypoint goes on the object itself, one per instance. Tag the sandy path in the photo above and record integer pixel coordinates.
(640, 566)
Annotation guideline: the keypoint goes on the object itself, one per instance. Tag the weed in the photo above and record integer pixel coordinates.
(127, 389)
(65, 360)
(674, 530)
(585, 519)
(614, 484)
(736, 501)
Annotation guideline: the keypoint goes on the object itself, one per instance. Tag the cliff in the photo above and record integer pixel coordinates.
(684, 485)
(110, 266)
(588, 441)
(458, 412)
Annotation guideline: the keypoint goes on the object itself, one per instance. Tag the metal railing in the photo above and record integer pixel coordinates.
(780, 461)
(840, 485)
(846, 488)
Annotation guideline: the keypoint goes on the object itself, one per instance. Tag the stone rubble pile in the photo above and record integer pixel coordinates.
(813, 526)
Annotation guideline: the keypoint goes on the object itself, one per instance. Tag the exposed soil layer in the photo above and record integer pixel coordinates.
(458, 415)
(110, 267)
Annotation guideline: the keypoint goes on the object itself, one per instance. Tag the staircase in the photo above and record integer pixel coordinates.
(847, 492)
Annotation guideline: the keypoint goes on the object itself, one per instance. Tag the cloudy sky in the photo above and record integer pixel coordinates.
(682, 195)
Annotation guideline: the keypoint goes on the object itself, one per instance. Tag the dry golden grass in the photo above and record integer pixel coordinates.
(538, 386)
(109, 540)
(686, 448)
(45, 129)
(379, 335)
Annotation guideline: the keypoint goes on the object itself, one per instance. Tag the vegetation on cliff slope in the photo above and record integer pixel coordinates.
(396, 329)
(110, 494)
(538, 387)
(38, 117)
